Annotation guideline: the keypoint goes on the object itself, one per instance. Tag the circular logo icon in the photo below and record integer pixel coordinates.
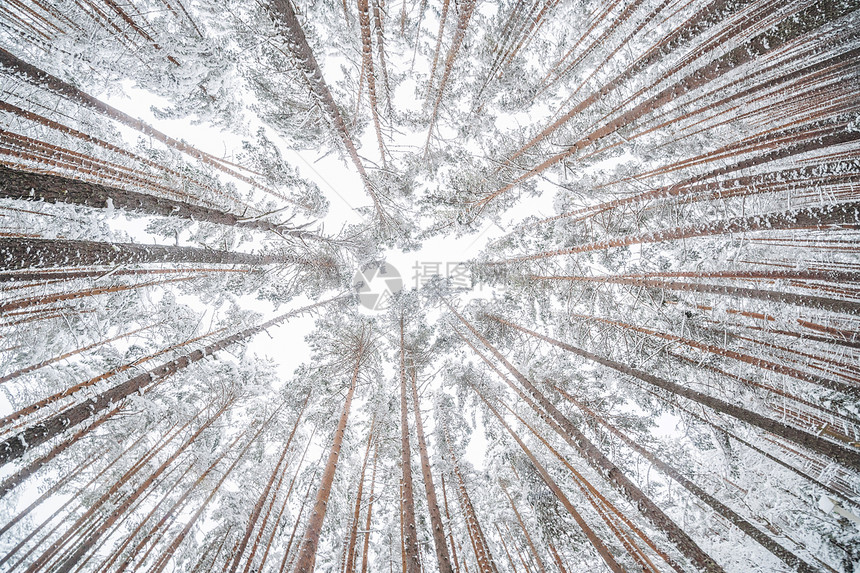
(376, 284)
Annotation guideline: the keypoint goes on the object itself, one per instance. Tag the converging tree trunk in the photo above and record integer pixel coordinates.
(308, 547)
(845, 456)
(27, 186)
(35, 253)
(604, 466)
(410, 535)
(442, 558)
(14, 447)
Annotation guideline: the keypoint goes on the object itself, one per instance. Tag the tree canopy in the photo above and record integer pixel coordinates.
(379, 285)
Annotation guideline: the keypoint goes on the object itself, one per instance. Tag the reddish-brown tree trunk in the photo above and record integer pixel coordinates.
(308, 548)
(786, 556)
(366, 548)
(44, 363)
(812, 219)
(367, 63)
(524, 529)
(483, 555)
(23, 185)
(845, 456)
(740, 356)
(83, 547)
(442, 21)
(168, 553)
(466, 9)
(58, 86)
(13, 448)
(281, 11)
(410, 530)
(15, 479)
(442, 558)
(605, 467)
(356, 514)
(828, 304)
(36, 253)
(258, 507)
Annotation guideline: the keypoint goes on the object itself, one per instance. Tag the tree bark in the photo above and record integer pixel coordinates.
(845, 456)
(44, 363)
(177, 541)
(524, 529)
(466, 9)
(15, 479)
(41, 253)
(14, 447)
(258, 507)
(58, 86)
(483, 555)
(356, 514)
(812, 218)
(410, 538)
(281, 11)
(91, 539)
(308, 548)
(442, 558)
(26, 186)
(367, 59)
(365, 549)
(828, 304)
(784, 555)
(605, 467)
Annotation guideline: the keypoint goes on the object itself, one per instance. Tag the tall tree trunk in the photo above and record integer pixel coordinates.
(258, 507)
(524, 529)
(308, 548)
(604, 466)
(36, 253)
(845, 456)
(286, 558)
(45, 402)
(14, 447)
(26, 186)
(466, 9)
(171, 513)
(366, 548)
(379, 27)
(281, 11)
(15, 479)
(58, 86)
(284, 503)
(50, 491)
(828, 304)
(786, 556)
(595, 541)
(46, 299)
(410, 537)
(367, 59)
(168, 553)
(442, 19)
(11, 553)
(739, 356)
(91, 539)
(83, 520)
(483, 555)
(442, 558)
(44, 363)
(811, 218)
(450, 532)
(356, 514)
(811, 17)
